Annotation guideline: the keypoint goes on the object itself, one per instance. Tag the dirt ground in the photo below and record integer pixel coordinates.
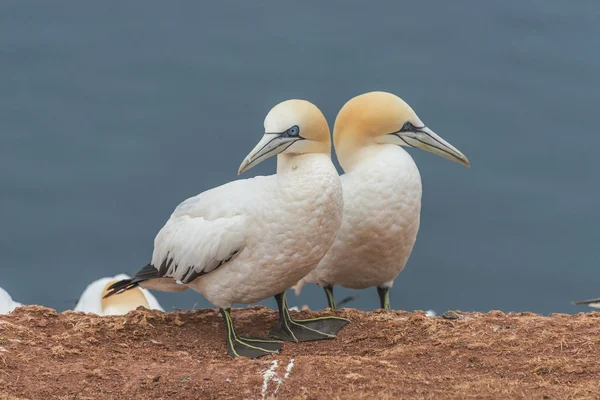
(380, 355)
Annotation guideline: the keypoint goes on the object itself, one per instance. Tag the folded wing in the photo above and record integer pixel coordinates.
(203, 233)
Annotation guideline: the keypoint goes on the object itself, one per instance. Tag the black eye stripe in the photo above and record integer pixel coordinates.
(409, 127)
(294, 131)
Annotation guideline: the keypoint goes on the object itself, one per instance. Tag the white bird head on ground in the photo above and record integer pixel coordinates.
(291, 127)
(384, 118)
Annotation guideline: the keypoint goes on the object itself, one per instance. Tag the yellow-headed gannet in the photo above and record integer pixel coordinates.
(382, 193)
(6, 302)
(251, 239)
(92, 299)
(594, 303)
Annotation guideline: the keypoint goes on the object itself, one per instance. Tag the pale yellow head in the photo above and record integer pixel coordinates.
(124, 302)
(291, 127)
(383, 118)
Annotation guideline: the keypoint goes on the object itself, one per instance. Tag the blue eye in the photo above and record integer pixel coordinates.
(293, 131)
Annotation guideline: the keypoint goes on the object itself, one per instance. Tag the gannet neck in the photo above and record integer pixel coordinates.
(352, 152)
(288, 163)
(390, 157)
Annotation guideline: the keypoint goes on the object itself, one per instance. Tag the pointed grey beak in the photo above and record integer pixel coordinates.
(426, 139)
(271, 144)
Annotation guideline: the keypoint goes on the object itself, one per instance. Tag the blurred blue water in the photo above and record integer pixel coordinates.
(111, 113)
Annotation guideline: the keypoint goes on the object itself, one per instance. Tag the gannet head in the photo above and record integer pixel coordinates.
(384, 118)
(122, 303)
(291, 127)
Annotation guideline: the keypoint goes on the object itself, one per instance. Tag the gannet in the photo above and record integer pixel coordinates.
(6, 302)
(251, 239)
(92, 299)
(382, 193)
(594, 303)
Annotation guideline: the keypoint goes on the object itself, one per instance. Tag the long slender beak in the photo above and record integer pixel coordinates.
(426, 139)
(271, 144)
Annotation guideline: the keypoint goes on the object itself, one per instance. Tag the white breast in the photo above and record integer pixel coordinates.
(382, 203)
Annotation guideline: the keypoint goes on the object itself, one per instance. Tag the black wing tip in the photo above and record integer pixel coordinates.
(120, 287)
(585, 302)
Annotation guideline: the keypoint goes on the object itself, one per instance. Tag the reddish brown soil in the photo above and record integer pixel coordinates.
(380, 355)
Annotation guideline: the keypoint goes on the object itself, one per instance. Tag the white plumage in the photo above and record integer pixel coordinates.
(251, 239)
(380, 222)
(382, 193)
(275, 229)
(6, 302)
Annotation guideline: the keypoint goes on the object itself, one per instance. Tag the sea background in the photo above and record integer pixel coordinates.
(112, 113)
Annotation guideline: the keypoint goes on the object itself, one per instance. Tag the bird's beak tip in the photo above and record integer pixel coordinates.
(243, 167)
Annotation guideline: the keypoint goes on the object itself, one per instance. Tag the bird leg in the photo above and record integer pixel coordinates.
(245, 346)
(330, 299)
(303, 330)
(384, 297)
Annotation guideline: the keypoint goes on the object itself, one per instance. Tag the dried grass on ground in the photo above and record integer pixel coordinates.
(381, 355)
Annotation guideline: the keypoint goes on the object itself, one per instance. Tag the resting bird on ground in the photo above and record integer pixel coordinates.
(382, 193)
(6, 302)
(92, 301)
(251, 239)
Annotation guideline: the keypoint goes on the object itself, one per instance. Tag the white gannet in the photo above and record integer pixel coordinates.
(594, 303)
(7, 304)
(382, 193)
(251, 239)
(92, 299)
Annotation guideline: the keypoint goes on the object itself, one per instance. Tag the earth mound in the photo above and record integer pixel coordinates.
(380, 355)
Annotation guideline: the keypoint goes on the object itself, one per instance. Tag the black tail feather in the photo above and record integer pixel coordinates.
(144, 274)
(121, 286)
